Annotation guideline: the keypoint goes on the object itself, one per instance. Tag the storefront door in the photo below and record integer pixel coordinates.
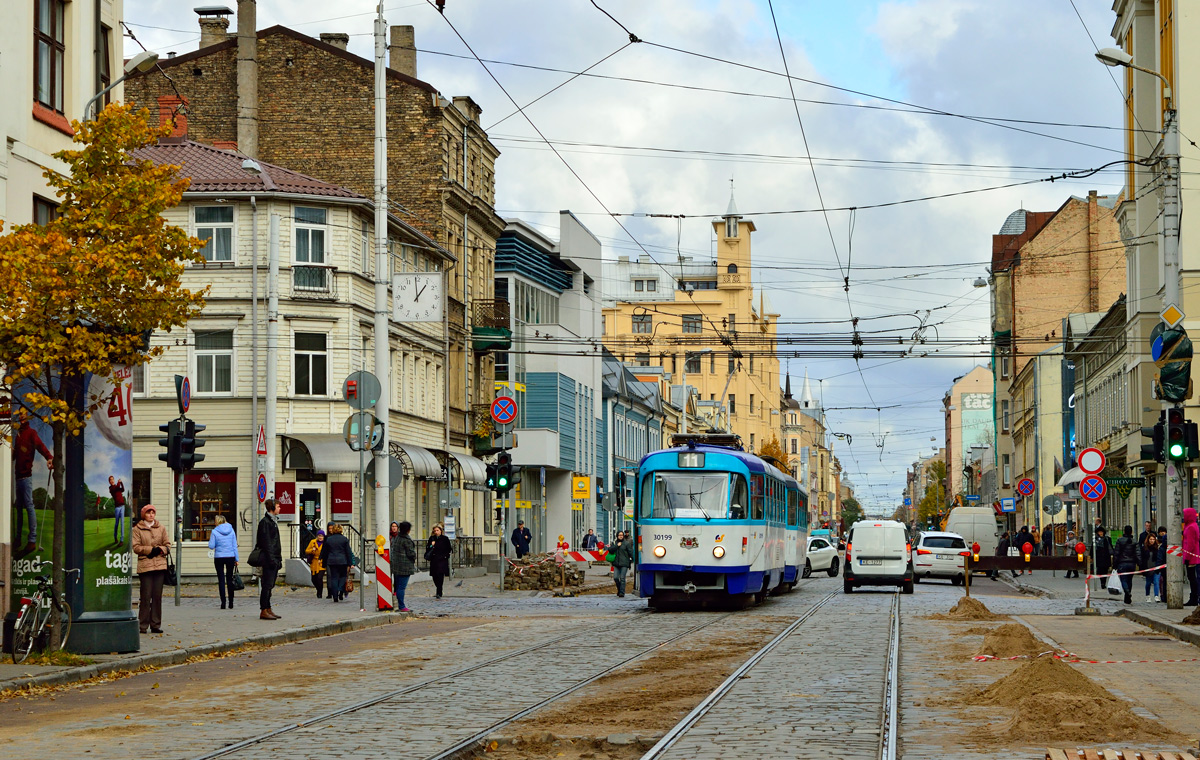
(310, 503)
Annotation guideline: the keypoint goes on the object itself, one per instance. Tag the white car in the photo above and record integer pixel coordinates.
(821, 555)
(939, 555)
(878, 554)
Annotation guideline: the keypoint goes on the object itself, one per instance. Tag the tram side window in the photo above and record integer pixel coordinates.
(741, 497)
(793, 508)
(757, 497)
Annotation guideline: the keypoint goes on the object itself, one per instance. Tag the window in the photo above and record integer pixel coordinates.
(311, 365)
(692, 323)
(638, 285)
(651, 286)
(751, 365)
(49, 52)
(752, 403)
(44, 211)
(732, 404)
(105, 73)
(208, 493)
(214, 361)
(641, 323)
(365, 244)
(732, 322)
(712, 364)
(692, 363)
(732, 364)
(1007, 468)
(641, 360)
(139, 380)
(752, 441)
(793, 445)
(1004, 408)
(731, 269)
(1004, 363)
(141, 491)
(310, 235)
(214, 225)
(731, 226)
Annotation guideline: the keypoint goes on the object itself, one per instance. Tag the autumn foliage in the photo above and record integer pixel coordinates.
(774, 449)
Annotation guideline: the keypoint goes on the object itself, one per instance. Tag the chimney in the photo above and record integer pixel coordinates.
(339, 40)
(403, 50)
(247, 77)
(214, 24)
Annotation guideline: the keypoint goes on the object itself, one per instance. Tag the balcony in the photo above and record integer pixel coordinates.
(314, 281)
(481, 429)
(490, 330)
(457, 315)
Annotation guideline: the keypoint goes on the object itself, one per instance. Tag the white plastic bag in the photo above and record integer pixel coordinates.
(1114, 583)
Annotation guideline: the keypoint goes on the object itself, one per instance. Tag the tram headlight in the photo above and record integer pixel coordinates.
(718, 551)
(660, 551)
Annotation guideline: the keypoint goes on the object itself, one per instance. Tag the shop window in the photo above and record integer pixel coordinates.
(206, 494)
(140, 495)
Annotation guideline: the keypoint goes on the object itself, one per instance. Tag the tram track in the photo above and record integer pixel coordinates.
(464, 746)
(889, 707)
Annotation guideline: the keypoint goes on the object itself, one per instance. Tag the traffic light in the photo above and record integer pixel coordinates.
(1171, 350)
(504, 472)
(172, 444)
(1155, 451)
(491, 477)
(1189, 438)
(189, 442)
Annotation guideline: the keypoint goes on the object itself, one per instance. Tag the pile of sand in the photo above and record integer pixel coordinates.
(1055, 703)
(1194, 618)
(1012, 640)
(969, 608)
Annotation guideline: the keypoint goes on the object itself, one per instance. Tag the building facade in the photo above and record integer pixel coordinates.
(554, 289)
(968, 419)
(706, 324)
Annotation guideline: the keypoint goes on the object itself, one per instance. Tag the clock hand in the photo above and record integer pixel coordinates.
(419, 292)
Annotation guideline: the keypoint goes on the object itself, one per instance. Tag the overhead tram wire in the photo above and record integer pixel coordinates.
(566, 163)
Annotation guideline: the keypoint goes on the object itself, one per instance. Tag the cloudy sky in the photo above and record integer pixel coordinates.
(897, 101)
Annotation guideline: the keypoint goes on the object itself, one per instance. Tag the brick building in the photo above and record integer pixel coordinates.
(308, 104)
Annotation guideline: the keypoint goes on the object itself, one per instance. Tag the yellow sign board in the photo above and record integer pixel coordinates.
(577, 506)
(581, 486)
(524, 505)
(1172, 315)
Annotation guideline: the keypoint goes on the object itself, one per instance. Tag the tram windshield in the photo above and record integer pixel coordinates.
(686, 495)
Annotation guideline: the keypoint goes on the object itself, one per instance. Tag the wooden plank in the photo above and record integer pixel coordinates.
(1186, 756)
(1055, 754)
(1110, 755)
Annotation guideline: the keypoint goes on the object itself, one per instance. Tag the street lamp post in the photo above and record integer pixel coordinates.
(1172, 275)
(683, 381)
(142, 62)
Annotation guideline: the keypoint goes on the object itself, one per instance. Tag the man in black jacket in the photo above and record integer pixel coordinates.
(1125, 561)
(521, 538)
(270, 554)
(1002, 551)
(1102, 556)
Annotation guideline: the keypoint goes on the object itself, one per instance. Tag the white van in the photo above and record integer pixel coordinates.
(878, 553)
(975, 524)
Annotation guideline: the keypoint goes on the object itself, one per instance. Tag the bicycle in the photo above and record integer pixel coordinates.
(35, 624)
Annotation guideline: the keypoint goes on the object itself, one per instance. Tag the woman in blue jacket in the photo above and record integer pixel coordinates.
(223, 542)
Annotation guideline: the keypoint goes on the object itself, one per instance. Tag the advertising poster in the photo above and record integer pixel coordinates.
(107, 496)
(977, 423)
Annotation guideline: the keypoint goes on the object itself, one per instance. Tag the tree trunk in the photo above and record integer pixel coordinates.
(58, 551)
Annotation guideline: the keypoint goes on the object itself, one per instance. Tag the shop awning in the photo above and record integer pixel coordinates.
(473, 470)
(319, 452)
(1071, 477)
(421, 461)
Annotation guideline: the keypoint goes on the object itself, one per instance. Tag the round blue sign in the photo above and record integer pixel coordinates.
(185, 395)
(262, 487)
(1093, 488)
(504, 410)
(1156, 347)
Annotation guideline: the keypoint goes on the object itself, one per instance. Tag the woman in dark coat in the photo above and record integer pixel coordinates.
(1125, 560)
(337, 557)
(437, 552)
(403, 559)
(1103, 550)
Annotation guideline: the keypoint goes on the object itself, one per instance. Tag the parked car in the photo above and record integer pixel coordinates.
(939, 555)
(878, 553)
(822, 555)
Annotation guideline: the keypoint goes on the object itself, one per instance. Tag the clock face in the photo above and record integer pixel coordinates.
(417, 297)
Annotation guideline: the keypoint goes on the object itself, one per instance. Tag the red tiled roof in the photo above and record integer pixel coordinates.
(213, 170)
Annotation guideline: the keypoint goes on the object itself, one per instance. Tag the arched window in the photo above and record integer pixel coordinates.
(731, 269)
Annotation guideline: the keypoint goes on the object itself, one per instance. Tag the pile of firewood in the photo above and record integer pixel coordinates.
(539, 572)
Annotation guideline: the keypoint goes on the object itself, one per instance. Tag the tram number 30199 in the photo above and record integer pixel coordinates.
(662, 536)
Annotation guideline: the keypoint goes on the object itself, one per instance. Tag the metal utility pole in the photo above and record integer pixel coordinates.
(272, 389)
(381, 328)
(1171, 277)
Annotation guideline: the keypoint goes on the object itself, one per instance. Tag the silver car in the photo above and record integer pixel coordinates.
(940, 555)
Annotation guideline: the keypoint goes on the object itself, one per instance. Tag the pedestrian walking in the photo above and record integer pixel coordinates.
(270, 558)
(150, 545)
(1125, 561)
(316, 565)
(1191, 555)
(402, 555)
(116, 490)
(223, 542)
(1102, 556)
(1023, 537)
(1073, 572)
(1035, 536)
(1048, 541)
(1151, 554)
(590, 541)
(622, 550)
(1146, 531)
(521, 538)
(337, 557)
(25, 444)
(437, 553)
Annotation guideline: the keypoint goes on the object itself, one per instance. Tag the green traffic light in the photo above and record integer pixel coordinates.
(502, 482)
(1177, 451)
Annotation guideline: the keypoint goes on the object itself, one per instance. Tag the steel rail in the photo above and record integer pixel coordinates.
(230, 748)
(889, 738)
(727, 685)
(474, 740)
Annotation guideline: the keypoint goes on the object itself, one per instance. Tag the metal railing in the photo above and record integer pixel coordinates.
(491, 312)
(467, 552)
(294, 544)
(314, 281)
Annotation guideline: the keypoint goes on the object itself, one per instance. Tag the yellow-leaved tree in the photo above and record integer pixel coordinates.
(83, 293)
(775, 450)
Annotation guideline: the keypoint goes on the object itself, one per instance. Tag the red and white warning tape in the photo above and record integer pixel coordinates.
(1087, 591)
(1071, 658)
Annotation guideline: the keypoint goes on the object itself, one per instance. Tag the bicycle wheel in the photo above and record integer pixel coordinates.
(23, 635)
(64, 614)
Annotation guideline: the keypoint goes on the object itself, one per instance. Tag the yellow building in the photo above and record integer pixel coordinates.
(705, 324)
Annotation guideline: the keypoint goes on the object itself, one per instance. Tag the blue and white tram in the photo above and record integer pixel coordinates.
(717, 523)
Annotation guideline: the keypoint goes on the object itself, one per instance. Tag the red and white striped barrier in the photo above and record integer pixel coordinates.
(383, 581)
(589, 556)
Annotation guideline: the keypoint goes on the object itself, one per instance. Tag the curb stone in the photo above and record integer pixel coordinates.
(179, 656)
(1181, 632)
